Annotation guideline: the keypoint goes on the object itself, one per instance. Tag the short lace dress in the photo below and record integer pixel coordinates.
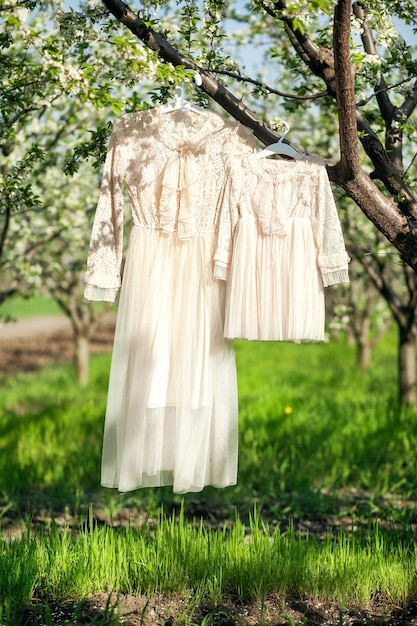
(287, 246)
(171, 416)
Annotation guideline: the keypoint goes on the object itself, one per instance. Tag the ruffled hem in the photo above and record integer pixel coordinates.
(334, 268)
(100, 294)
(166, 479)
(333, 278)
(275, 292)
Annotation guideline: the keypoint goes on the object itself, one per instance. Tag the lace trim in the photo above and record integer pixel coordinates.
(221, 273)
(99, 294)
(333, 278)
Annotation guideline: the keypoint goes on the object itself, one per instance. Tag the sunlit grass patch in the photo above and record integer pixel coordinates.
(213, 565)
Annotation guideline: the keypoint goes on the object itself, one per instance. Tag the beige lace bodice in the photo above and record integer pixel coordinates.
(173, 167)
(277, 192)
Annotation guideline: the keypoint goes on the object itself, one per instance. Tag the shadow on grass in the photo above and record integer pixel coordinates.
(330, 475)
(315, 447)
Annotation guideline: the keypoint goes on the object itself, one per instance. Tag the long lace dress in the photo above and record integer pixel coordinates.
(171, 415)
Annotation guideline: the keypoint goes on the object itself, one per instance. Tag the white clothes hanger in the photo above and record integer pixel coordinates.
(282, 148)
(179, 103)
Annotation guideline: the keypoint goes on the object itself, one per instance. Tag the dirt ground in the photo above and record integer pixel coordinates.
(140, 610)
(273, 611)
(30, 344)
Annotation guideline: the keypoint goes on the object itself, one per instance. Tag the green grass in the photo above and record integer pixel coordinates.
(313, 433)
(19, 308)
(211, 564)
(309, 419)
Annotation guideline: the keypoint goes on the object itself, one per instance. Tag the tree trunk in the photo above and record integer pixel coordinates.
(364, 353)
(82, 357)
(407, 366)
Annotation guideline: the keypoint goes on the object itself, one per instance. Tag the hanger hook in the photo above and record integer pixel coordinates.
(197, 79)
(285, 130)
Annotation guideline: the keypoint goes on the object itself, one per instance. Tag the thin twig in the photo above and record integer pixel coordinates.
(411, 162)
(253, 81)
(361, 103)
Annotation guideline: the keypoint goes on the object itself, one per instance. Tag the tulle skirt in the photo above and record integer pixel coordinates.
(275, 290)
(171, 415)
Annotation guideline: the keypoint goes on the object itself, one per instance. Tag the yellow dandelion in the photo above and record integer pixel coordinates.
(288, 410)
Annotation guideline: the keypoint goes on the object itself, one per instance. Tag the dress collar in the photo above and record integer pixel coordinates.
(182, 128)
(267, 168)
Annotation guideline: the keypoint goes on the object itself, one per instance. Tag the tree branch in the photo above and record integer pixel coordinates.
(389, 112)
(258, 83)
(393, 135)
(410, 280)
(385, 170)
(387, 161)
(318, 60)
(385, 105)
(409, 105)
(408, 102)
(381, 281)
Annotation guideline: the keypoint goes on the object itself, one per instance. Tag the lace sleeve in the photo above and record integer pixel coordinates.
(102, 278)
(242, 143)
(333, 258)
(229, 215)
